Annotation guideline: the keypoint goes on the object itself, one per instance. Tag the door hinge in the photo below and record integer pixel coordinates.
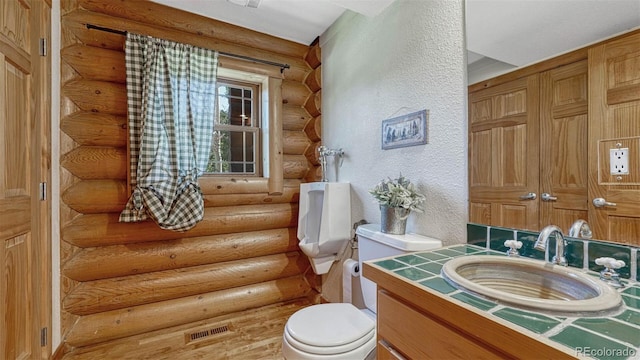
(43, 47)
(43, 191)
(43, 336)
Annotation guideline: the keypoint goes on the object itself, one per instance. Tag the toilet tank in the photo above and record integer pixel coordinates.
(374, 244)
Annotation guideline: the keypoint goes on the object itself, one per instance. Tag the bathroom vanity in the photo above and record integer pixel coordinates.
(421, 316)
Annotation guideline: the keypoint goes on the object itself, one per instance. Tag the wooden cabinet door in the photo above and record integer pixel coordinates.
(614, 122)
(504, 155)
(25, 286)
(563, 145)
(420, 336)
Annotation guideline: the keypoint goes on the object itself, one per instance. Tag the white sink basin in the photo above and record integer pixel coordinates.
(533, 284)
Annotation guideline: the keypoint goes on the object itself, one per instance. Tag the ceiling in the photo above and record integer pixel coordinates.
(523, 32)
(296, 20)
(512, 32)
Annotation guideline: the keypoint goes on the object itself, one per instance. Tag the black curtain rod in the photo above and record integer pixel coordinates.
(124, 33)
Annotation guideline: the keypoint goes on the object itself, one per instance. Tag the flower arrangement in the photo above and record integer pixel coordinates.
(399, 193)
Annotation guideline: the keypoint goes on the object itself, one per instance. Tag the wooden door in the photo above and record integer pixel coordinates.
(25, 300)
(563, 145)
(504, 155)
(614, 122)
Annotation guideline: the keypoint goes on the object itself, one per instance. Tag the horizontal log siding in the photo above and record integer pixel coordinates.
(104, 196)
(313, 107)
(294, 117)
(116, 293)
(104, 229)
(97, 162)
(313, 128)
(191, 25)
(140, 258)
(122, 279)
(109, 325)
(96, 129)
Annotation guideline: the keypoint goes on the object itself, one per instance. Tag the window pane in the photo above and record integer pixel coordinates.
(232, 152)
(236, 112)
(247, 113)
(235, 145)
(219, 149)
(223, 116)
(236, 92)
(249, 146)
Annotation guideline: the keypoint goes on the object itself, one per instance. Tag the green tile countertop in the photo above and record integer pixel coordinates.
(616, 337)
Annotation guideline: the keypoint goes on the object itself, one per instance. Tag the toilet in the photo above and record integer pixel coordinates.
(340, 330)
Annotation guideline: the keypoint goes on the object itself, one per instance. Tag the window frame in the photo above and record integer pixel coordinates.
(272, 179)
(255, 128)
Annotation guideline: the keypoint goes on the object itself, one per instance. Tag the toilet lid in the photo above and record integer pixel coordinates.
(329, 325)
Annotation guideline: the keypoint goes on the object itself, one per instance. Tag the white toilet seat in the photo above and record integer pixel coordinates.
(329, 331)
(329, 350)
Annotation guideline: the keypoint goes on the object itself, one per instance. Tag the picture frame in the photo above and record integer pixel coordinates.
(405, 130)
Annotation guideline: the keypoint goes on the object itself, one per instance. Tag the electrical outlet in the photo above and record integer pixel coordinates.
(619, 160)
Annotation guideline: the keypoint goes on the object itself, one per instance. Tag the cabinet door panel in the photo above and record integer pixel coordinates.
(480, 213)
(614, 110)
(515, 215)
(563, 144)
(510, 156)
(503, 154)
(480, 145)
(420, 337)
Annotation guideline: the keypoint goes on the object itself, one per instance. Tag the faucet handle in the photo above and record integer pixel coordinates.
(609, 262)
(609, 274)
(513, 246)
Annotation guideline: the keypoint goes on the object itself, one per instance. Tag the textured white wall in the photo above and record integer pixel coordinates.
(408, 58)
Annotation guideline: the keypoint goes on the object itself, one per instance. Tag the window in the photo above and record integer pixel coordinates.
(236, 141)
(247, 146)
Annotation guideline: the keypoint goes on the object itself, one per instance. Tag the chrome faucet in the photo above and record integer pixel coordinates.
(580, 229)
(541, 244)
(323, 152)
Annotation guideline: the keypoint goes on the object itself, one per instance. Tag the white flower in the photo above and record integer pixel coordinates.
(398, 192)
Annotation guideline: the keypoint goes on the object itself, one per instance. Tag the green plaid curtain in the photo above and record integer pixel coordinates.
(171, 90)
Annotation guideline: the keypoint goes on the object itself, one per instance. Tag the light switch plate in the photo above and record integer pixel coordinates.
(619, 160)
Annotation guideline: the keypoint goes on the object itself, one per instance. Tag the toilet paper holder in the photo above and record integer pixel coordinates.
(350, 270)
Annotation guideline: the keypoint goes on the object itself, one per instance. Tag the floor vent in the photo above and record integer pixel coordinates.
(206, 333)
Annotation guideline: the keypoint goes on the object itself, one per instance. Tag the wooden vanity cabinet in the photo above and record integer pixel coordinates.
(384, 351)
(415, 323)
(406, 330)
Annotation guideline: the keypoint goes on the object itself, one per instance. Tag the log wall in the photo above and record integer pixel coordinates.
(122, 279)
(313, 106)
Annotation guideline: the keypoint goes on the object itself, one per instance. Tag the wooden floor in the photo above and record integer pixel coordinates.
(251, 334)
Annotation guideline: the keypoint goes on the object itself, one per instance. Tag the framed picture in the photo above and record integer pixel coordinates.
(405, 130)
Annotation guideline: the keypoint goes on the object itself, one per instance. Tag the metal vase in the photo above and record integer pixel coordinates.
(394, 220)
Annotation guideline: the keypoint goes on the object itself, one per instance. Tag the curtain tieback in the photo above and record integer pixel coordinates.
(138, 204)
